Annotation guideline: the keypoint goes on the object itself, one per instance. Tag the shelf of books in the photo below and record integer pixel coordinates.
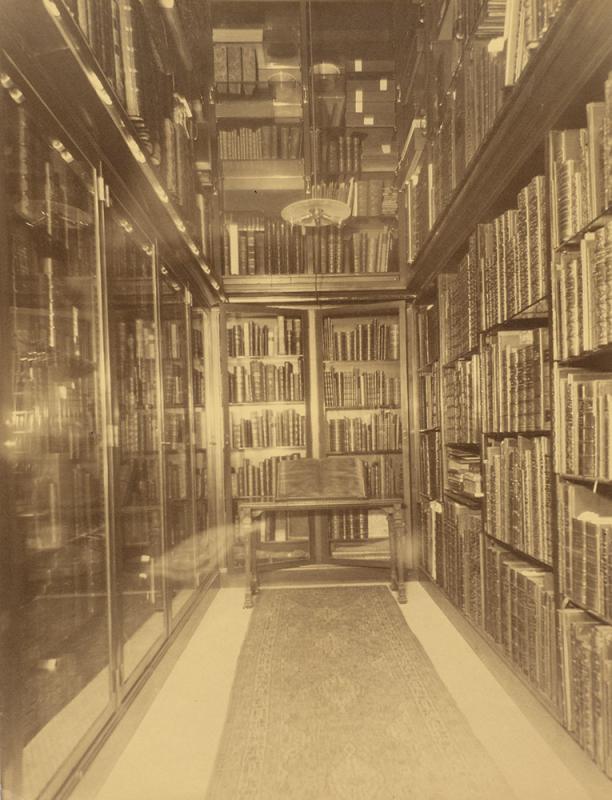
(267, 419)
(106, 67)
(137, 415)
(206, 557)
(520, 541)
(179, 453)
(278, 145)
(480, 86)
(54, 526)
(580, 184)
(363, 415)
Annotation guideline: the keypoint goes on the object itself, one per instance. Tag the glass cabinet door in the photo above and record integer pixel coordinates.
(135, 388)
(206, 556)
(178, 451)
(54, 523)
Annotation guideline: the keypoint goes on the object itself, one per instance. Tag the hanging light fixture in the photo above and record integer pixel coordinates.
(315, 211)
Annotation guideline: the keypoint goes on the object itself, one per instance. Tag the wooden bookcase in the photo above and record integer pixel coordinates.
(518, 287)
(369, 425)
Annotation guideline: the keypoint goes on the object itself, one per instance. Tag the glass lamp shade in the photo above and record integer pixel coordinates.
(316, 212)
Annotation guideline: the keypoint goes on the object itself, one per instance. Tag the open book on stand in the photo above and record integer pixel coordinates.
(337, 478)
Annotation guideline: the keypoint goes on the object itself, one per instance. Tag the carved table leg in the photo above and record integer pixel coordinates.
(392, 547)
(246, 528)
(400, 538)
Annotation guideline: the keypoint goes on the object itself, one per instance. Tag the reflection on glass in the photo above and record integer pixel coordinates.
(181, 541)
(137, 467)
(205, 546)
(56, 433)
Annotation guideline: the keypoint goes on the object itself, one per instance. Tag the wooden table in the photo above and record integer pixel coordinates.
(251, 510)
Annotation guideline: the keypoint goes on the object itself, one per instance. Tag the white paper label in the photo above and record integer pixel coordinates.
(383, 85)
(386, 148)
(358, 101)
(368, 120)
(358, 65)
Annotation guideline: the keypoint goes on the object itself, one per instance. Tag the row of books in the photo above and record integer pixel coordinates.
(512, 254)
(460, 307)
(281, 336)
(258, 245)
(518, 492)
(482, 82)
(581, 281)
(527, 22)
(383, 477)
(586, 670)
(235, 68)
(177, 159)
(428, 334)
(520, 615)
(176, 480)
(429, 414)
(198, 387)
(175, 431)
(516, 381)
(381, 431)
(581, 171)
(265, 382)
(419, 211)
(173, 379)
(374, 197)
(585, 542)
(461, 405)
(360, 389)
(582, 430)
(127, 258)
(173, 342)
(432, 531)
(459, 572)
(463, 472)
(429, 464)
(257, 479)
(338, 154)
(349, 526)
(365, 341)
(262, 142)
(268, 428)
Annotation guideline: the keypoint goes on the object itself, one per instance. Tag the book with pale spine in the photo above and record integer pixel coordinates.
(316, 478)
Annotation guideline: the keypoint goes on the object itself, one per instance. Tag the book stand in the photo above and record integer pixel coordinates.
(251, 510)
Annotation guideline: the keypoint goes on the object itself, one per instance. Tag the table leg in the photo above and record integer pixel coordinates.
(246, 531)
(392, 547)
(400, 538)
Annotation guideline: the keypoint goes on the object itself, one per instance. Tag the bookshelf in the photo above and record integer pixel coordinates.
(90, 330)
(363, 410)
(287, 115)
(518, 541)
(54, 513)
(540, 94)
(267, 417)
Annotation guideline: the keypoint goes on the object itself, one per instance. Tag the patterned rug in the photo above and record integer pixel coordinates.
(335, 699)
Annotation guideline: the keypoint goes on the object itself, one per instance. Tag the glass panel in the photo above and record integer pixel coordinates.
(56, 514)
(137, 464)
(181, 540)
(206, 554)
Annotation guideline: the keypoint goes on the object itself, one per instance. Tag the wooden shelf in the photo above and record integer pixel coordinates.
(527, 556)
(576, 46)
(316, 287)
